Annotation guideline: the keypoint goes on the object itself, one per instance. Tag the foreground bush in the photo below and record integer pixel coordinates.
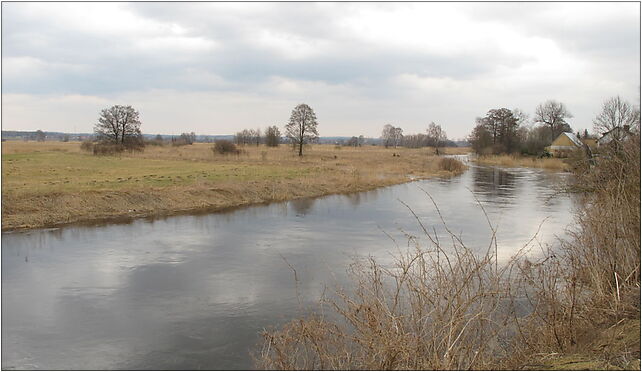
(437, 307)
(445, 307)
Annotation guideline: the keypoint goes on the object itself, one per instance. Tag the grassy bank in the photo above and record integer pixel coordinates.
(47, 184)
(514, 161)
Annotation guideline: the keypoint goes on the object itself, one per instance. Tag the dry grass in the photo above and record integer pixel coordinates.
(514, 161)
(575, 306)
(435, 308)
(50, 183)
(451, 165)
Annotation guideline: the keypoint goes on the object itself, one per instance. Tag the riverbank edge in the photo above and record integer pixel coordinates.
(120, 217)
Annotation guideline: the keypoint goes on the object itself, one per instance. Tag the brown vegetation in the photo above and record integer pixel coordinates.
(225, 147)
(51, 183)
(514, 161)
(576, 306)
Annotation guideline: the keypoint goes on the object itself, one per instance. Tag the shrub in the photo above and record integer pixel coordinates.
(110, 148)
(451, 165)
(225, 147)
(435, 308)
(87, 145)
(102, 148)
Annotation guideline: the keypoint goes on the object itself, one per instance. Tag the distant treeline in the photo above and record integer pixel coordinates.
(62, 136)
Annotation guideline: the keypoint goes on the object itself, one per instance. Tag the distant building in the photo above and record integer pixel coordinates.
(564, 144)
(590, 142)
(617, 133)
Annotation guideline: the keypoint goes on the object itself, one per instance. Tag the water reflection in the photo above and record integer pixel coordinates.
(495, 183)
(302, 206)
(192, 292)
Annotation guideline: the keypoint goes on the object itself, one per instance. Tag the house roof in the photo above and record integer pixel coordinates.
(573, 138)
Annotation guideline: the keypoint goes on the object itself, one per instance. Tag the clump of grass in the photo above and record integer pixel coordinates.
(451, 165)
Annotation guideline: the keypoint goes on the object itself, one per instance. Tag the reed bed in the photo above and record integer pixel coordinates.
(514, 161)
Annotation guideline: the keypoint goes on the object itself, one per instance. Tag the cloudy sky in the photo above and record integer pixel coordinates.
(215, 68)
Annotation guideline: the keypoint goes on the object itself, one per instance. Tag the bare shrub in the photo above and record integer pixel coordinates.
(440, 307)
(434, 308)
(184, 139)
(606, 245)
(225, 147)
(451, 165)
(108, 148)
(87, 145)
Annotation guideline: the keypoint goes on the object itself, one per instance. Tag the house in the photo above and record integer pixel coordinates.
(617, 133)
(564, 144)
(590, 142)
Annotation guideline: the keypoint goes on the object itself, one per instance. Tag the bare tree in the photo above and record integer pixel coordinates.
(554, 115)
(520, 116)
(436, 136)
(256, 136)
(387, 135)
(40, 136)
(397, 136)
(616, 113)
(118, 124)
(243, 137)
(302, 127)
(391, 135)
(272, 136)
(188, 138)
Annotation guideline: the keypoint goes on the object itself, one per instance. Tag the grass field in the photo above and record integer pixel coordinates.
(52, 183)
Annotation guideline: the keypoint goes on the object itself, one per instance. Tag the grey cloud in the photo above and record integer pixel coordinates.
(126, 64)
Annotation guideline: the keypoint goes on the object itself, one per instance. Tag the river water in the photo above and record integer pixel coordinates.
(193, 292)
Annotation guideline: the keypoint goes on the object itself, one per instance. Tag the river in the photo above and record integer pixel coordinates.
(193, 292)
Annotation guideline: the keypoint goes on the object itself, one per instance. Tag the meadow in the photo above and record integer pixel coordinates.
(54, 183)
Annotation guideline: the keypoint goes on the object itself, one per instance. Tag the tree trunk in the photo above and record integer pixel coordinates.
(300, 148)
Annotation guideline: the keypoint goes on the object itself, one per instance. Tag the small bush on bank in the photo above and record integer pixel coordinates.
(451, 165)
(224, 147)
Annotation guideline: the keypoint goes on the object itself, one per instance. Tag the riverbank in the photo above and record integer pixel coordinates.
(515, 161)
(50, 184)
